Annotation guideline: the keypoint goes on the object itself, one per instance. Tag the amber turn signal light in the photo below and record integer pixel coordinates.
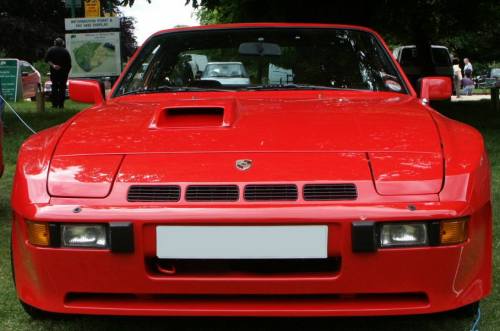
(38, 234)
(453, 231)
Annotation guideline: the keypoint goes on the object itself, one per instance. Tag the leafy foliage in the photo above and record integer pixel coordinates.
(129, 2)
(29, 27)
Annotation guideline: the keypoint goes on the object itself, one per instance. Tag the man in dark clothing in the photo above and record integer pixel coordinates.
(60, 64)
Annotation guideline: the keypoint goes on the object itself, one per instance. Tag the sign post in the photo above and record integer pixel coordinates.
(10, 79)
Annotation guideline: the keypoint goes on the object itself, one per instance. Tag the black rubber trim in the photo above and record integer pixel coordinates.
(364, 237)
(121, 237)
(434, 233)
(55, 235)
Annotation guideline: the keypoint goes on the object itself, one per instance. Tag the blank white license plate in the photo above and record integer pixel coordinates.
(242, 242)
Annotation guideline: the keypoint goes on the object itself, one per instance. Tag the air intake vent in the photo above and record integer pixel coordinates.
(275, 192)
(191, 117)
(212, 193)
(324, 192)
(150, 193)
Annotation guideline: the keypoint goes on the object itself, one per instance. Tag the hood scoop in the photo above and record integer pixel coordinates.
(194, 117)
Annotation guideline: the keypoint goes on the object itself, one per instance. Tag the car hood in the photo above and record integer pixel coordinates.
(364, 122)
(380, 140)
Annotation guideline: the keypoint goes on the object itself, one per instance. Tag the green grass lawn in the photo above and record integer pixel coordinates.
(12, 316)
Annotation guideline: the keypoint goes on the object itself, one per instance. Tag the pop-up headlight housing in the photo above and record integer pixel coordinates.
(82, 176)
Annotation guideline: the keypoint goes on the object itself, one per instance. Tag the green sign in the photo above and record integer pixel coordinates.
(76, 3)
(10, 79)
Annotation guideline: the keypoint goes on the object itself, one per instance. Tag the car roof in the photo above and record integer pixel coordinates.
(264, 25)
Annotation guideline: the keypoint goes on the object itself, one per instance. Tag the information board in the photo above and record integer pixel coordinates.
(92, 23)
(10, 79)
(94, 54)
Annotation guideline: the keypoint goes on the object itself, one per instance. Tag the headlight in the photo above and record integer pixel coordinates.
(403, 234)
(84, 235)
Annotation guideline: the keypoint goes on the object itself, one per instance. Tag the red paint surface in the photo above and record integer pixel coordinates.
(86, 91)
(436, 88)
(397, 152)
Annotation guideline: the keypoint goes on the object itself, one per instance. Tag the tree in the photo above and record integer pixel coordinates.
(128, 40)
(29, 27)
(129, 2)
(471, 29)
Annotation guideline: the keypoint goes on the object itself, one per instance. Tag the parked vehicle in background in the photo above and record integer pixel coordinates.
(495, 73)
(31, 80)
(334, 190)
(407, 57)
(226, 73)
(489, 80)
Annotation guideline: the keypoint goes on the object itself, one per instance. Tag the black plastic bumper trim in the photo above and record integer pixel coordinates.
(364, 237)
(121, 237)
(55, 235)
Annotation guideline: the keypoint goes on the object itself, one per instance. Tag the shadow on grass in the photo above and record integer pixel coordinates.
(443, 321)
(479, 114)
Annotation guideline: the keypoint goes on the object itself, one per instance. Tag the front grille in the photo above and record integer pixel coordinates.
(323, 192)
(151, 193)
(212, 193)
(273, 192)
(252, 192)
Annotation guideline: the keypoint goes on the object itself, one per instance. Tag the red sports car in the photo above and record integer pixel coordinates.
(324, 186)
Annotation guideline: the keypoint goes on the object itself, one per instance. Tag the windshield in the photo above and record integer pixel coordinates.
(262, 58)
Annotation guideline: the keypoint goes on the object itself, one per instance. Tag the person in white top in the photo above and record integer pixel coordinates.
(457, 77)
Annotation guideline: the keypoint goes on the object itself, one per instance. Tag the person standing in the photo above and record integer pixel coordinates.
(467, 67)
(457, 77)
(467, 83)
(59, 60)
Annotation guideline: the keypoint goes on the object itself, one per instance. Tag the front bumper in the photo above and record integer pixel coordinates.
(387, 282)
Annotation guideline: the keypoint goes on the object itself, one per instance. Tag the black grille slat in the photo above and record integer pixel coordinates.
(271, 192)
(212, 193)
(253, 192)
(154, 193)
(330, 192)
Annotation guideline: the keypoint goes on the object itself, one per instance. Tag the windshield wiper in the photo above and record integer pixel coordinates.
(167, 88)
(290, 86)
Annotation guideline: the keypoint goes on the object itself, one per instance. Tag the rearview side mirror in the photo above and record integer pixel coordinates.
(260, 48)
(435, 88)
(86, 91)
